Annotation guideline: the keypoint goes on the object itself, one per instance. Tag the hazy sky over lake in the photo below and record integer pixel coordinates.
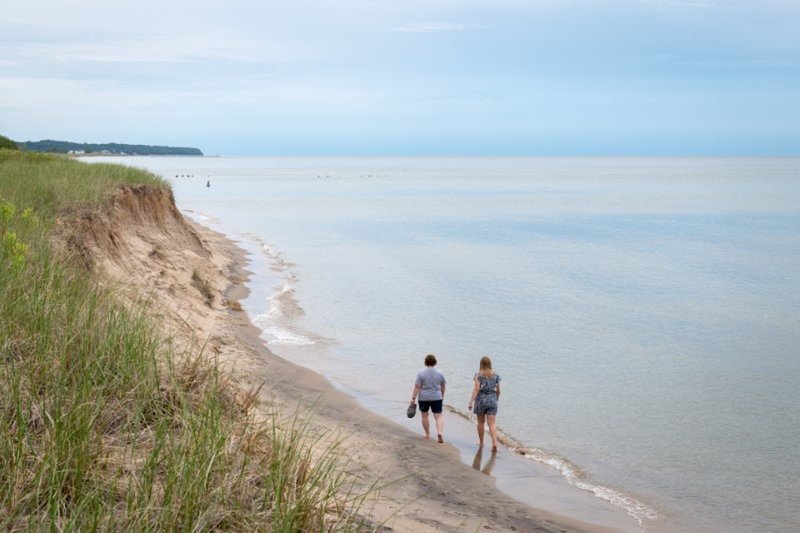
(493, 77)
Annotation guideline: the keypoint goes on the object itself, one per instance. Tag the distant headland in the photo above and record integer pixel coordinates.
(66, 147)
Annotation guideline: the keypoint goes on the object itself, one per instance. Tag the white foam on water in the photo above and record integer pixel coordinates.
(200, 217)
(283, 308)
(279, 336)
(277, 262)
(577, 477)
(283, 305)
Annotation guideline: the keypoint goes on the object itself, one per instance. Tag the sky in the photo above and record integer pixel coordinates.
(407, 77)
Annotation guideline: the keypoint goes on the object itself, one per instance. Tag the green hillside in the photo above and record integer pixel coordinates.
(65, 147)
(103, 426)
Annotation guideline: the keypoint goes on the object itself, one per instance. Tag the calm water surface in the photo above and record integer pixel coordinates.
(644, 313)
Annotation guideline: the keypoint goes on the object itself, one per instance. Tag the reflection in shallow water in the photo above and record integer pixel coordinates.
(487, 468)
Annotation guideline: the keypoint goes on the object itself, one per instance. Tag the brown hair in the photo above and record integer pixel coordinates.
(430, 360)
(486, 367)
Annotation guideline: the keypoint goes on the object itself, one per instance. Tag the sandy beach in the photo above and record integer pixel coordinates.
(194, 278)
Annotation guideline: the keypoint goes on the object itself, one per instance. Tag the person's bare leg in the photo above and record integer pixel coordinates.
(439, 425)
(481, 423)
(493, 430)
(426, 425)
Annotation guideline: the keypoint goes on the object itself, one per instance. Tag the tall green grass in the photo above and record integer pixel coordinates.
(49, 183)
(102, 426)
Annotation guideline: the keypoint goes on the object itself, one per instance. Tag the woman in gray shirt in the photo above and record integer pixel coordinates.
(429, 387)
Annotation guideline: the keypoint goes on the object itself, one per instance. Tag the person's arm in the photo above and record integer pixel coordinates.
(475, 388)
(417, 387)
(497, 391)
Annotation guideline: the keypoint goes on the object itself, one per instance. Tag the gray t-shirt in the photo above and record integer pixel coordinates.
(430, 382)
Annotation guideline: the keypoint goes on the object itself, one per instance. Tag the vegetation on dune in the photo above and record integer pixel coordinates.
(50, 184)
(101, 424)
(8, 144)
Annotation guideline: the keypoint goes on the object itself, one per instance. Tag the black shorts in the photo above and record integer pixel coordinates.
(433, 405)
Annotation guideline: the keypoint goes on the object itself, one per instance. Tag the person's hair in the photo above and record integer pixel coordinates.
(486, 367)
(430, 360)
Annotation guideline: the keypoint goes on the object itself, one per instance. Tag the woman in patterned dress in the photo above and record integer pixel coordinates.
(483, 402)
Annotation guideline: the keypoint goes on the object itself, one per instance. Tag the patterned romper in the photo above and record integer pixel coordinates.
(486, 401)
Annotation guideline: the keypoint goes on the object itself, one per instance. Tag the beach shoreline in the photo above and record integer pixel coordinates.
(193, 279)
(428, 487)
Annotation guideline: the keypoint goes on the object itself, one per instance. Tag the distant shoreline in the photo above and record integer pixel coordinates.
(105, 148)
(97, 154)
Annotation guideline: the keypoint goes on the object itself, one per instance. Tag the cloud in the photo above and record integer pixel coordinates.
(431, 27)
(694, 4)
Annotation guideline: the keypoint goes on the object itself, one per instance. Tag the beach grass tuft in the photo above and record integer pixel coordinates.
(202, 285)
(102, 424)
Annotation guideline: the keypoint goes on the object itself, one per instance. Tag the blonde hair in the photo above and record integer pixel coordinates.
(486, 367)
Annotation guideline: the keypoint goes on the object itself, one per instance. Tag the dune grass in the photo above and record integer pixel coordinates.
(102, 426)
(48, 183)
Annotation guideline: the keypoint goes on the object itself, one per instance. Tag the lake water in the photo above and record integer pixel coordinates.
(644, 314)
